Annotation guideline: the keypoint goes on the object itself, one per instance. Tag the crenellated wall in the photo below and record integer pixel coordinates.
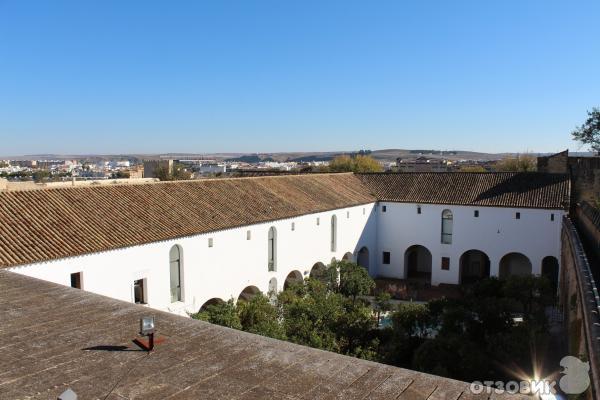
(581, 305)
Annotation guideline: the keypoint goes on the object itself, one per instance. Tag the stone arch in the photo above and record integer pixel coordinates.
(294, 277)
(248, 293)
(318, 271)
(550, 270)
(212, 302)
(273, 286)
(514, 264)
(417, 263)
(362, 258)
(474, 266)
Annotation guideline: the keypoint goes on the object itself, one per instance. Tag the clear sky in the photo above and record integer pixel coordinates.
(117, 76)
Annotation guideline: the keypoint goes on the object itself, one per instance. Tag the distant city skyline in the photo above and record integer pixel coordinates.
(266, 76)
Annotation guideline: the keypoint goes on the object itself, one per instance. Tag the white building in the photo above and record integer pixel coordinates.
(177, 245)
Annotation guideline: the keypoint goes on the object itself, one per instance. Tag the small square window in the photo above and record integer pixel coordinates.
(248, 235)
(551, 217)
(293, 226)
(418, 209)
(210, 242)
(386, 257)
(445, 263)
(383, 208)
(518, 215)
(318, 221)
(76, 280)
(476, 213)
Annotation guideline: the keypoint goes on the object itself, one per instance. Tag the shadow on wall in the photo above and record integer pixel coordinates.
(366, 244)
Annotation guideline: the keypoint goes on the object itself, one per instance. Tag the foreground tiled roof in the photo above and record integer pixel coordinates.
(502, 189)
(54, 337)
(56, 223)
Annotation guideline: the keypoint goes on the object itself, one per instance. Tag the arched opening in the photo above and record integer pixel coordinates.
(363, 257)
(273, 286)
(212, 302)
(417, 264)
(248, 293)
(447, 220)
(514, 264)
(474, 266)
(272, 244)
(348, 257)
(550, 271)
(175, 273)
(318, 271)
(294, 277)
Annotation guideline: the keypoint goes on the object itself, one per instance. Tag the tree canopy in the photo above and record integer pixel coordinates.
(334, 311)
(519, 163)
(357, 163)
(589, 132)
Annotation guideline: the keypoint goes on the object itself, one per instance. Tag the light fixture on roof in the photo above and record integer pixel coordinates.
(68, 395)
(147, 329)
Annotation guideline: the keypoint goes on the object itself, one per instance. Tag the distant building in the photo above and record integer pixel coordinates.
(421, 164)
(151, 167)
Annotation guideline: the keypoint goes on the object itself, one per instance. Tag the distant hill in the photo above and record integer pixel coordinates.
(384, 155)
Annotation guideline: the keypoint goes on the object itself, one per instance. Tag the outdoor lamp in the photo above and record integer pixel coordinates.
(147, 329)
(146, 326)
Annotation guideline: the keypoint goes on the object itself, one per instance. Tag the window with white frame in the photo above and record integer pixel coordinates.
(272, 244)
(333, 233)
(447, 226)
(175, 273)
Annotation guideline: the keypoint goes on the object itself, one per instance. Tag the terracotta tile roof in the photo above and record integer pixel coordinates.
(56, 223)
(54, 337)
(501, 189)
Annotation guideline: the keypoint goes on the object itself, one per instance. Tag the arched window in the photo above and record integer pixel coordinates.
(333, 233)
(175, 272)
(447, 227)
(272, 249)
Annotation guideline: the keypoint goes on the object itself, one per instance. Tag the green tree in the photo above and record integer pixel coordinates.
(40, 175)
(310, 314)
(382, 304)
(259, 316)
(366, 164)
(358, 163)
(589, 132)
(354, 280)
(412, 318)
(353, 331)
(222, 313)
(180, 173)
(519, 163)
(120, 175)
(342, 163)
(162, 173)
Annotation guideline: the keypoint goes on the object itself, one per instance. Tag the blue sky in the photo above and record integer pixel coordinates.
(258, 76)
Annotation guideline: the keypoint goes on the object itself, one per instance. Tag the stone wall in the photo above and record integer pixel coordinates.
(584, 172)
(150, 167)
(585, 179)
(554, 164)
(578, 299)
